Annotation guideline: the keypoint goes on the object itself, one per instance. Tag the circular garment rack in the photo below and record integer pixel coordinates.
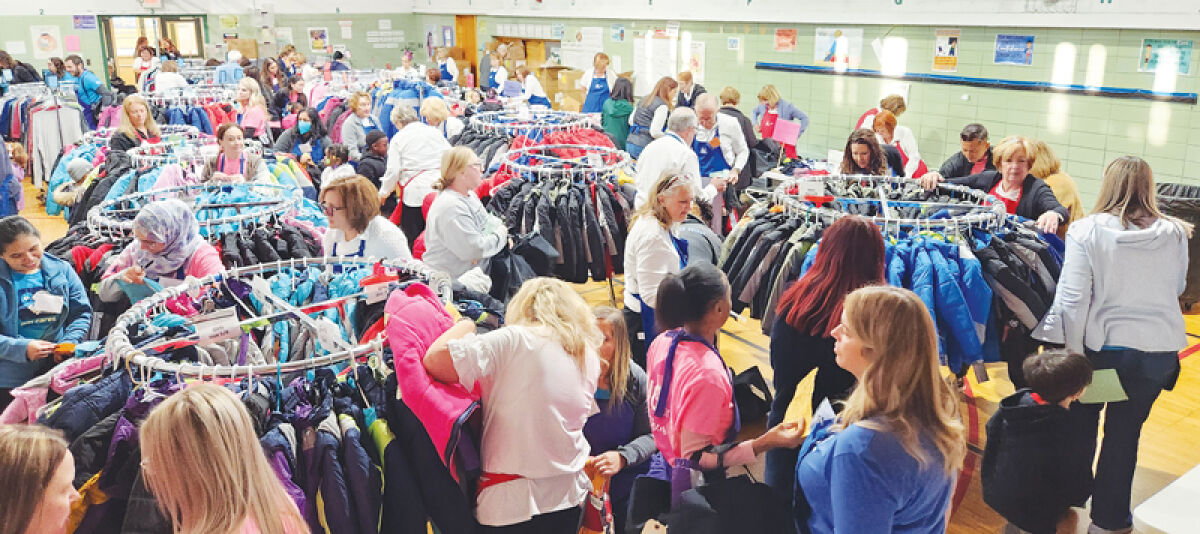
(120, 349)
(946, 206)
(567, 158)
(522, 121)
(115, 217)
(175, 131)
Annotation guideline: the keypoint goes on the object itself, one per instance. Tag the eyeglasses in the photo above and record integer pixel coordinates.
(328, 209)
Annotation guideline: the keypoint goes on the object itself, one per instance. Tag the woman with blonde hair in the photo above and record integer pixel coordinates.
(137, 126)
(597, 84)
(771, 109)
(1109, 309)
(891, 458)
(358, 124)
(537, 377)
(201, 459)
(649, 118)
(653, 250)
(446, 66)
(35, 460)
(252, 112)
(1047, 167)
(619, 434)
(437, 114)
(461, 234)
(1022, 194)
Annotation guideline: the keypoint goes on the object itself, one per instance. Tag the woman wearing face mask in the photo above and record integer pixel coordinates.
(167, 247)
(233, 164)
(461, 234)
(355, 226)
(44, 304)
(306, 141)
(1022, 193)
(358, 124)
(36, 460)
(137, 126)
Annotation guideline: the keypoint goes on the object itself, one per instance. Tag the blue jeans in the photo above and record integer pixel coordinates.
(1143, 375)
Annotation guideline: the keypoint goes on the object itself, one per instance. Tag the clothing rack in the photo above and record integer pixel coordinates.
(40, 90)
(181, 152)
(115, 217)
(195, 94)
(120, 349)
(987, 212)
(524, 122)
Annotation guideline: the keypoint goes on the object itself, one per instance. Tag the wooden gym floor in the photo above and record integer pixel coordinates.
(1168, 439)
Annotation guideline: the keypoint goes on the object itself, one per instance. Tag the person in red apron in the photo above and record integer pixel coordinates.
(693, 413)
(773, 108)
(597, 83)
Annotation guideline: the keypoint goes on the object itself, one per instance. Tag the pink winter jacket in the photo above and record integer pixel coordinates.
(31, 397)
(415, 318)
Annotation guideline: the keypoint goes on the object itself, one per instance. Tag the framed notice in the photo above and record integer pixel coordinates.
(945, 50)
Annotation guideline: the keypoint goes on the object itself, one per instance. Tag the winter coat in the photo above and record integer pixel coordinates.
(1036, 197)
(957, 165)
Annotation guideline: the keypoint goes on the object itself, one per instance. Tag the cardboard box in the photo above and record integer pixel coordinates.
(571, 100)
(516, 50)
(568, 79)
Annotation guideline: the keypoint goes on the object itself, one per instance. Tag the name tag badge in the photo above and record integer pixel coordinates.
(46, 302)
(716, 141)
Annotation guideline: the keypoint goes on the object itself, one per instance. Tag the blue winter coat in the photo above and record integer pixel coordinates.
(72, 325)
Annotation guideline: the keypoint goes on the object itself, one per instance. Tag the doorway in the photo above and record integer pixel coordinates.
(465, 30)
(120, 36)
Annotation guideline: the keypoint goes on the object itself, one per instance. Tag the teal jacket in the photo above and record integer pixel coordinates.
(61, 280)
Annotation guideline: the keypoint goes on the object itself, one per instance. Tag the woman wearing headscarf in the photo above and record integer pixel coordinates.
(167, 248)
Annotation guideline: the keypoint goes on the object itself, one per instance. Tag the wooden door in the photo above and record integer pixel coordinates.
(464, 31)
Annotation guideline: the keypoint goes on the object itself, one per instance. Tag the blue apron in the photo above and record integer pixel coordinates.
(679, 472)
(492, 78)
(712, 158)
(362, 248)
(539, 101)
(446, 76)
(649, 327)
(597, 93)
(368, 125)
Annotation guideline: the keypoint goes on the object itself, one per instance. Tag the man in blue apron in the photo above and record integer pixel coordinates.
(721, 150)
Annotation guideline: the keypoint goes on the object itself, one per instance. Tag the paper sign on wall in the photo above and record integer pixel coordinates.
(735, 43)
(1169, 52)
(14, 47)
(84, 22)
(694, 61)
(284, 36)
(1014, 50)
(318, 39)
(47, 41)
(945, 50)
(385, 24)
(617, 33)
(840, 48)
(347, 28)
(71, 42)
(785, 39)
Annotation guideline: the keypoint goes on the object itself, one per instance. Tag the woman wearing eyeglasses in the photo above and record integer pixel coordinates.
(355, 226)
(461, 233)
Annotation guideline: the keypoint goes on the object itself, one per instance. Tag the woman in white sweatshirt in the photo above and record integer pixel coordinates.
(1126, 264)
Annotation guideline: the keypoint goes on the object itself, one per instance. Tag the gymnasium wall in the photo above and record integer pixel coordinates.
(1086, 131)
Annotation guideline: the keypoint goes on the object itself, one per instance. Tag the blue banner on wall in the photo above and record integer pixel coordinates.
(1014, 50)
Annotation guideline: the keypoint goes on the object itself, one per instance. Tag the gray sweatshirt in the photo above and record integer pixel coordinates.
(1119, 287)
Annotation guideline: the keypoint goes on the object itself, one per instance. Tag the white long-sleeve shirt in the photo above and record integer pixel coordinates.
(414, 161)
(1119, 287)
(450, 66)
(733, 142)
(665, 156)
(532, 88)
(460, 233)
(904, 137)
(164, 81)
(650, 255)
(381, 239)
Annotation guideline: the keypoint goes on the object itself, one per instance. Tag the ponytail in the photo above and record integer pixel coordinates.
(686, 297)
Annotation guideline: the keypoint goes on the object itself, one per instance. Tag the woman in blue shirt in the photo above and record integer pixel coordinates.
(888, 464)
(42, 304)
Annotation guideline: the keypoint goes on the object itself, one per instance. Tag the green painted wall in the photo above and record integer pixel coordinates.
(1085, 131)
(16, 28)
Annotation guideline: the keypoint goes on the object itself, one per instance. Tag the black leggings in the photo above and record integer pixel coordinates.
(412, 222)
(561, 522)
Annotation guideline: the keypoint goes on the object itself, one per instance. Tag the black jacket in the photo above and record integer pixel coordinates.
(372, 167)
(120, 141)
(1036, 197)
(895, 161)
(1036, 462)
(282, 99)
(748, 172)
(24, 73)
(683, 102)
(957, 165)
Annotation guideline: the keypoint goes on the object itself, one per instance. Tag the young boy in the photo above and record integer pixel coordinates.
(1035, 467)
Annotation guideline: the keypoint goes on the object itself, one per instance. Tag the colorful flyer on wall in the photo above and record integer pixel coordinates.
(617, 33)
(840, 48)
(785, 39)
(1165, 51)
(47, 41)
(945, 50)
(318, 38)
(1014, 50)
